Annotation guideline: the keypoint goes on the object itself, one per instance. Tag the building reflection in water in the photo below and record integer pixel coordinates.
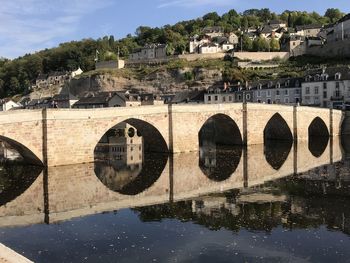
(319, 197)
(15, 175)
(219, 162)
(121, 163)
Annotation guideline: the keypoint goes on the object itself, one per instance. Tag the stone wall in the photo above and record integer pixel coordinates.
(69, 136)
(261, 56)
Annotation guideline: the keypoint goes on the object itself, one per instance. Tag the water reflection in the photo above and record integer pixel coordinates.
(312, 199)
(317, 145)
(276, 152)
(219, 162)
(121, 163)
(15, 176)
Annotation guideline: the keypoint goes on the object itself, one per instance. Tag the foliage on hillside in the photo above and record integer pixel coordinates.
(17, 75)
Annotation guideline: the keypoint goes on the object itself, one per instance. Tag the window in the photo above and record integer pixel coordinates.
(337, 92)
(325, 95)
(337, 76)
(229, 98)
(216, 98)
(277, 92)
(239, 97)
(325, 85)
(209, 98)
(297, 91)
(247, 96)
(223, 98)
(286, 100)
(268, 93)
(316, 90)
(259, 93)
(337, 85)
(307, 90)
(278, 85)
(286, 92)
(131, 149)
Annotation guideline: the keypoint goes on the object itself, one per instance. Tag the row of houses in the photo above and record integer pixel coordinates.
(326, 87)
(57, 78)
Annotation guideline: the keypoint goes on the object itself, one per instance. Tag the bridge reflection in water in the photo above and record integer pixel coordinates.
(125, 176)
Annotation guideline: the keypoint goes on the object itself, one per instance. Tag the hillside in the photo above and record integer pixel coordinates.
(16, 76)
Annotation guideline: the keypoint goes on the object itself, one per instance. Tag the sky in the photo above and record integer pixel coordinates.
(27, 26)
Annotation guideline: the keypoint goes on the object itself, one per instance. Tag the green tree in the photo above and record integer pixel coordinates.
(334, 14)
(274, 45)
(247, 43)
(260, 44)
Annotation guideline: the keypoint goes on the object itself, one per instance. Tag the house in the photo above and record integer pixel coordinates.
(213, 31)
(8, 104)
(277, 24)
(280, 91)
(219, 95)
(41, 103)
(76, 72)
(295, 45)
(108, 99)
(327, 87)
(308, 30)
(41, 80)
(340, 30)
(233, 39)
(196, 42)
(57, 78)
(315, 41)
(209, 48)
(64, 100)
(149, 52)
(193, 96)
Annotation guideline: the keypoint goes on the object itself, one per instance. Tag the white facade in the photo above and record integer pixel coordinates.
(218, 98)
(341, 30)
(325, 93)
(8, 105)
(209, 49)
(76, 72)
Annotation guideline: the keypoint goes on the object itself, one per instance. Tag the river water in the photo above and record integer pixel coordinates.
(276, 202)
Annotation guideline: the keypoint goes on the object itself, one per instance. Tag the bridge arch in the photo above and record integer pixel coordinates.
(277, 129)
(130, 156)
(28, 156)
(153, 140)
(220, 129)
(318, 137)
(220, 143)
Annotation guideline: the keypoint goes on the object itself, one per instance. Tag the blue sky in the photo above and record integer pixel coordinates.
(27, 26)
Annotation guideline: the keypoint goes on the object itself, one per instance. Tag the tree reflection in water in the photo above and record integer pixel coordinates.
(276, 152)
(297, 202)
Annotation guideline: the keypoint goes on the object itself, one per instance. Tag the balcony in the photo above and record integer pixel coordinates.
(333, 98)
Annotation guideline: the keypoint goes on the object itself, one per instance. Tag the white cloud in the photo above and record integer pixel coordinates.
(194, 3)
(31, 25)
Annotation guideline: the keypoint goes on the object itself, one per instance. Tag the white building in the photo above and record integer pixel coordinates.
(329, 87)
(7, 104)
(218, 96)
(76, 72)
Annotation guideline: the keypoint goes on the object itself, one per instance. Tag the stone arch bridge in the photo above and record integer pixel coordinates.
(55, 137)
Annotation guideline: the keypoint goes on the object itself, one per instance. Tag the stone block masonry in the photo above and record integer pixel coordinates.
(55, 137)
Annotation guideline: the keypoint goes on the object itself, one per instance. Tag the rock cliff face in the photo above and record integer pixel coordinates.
(158, 81)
